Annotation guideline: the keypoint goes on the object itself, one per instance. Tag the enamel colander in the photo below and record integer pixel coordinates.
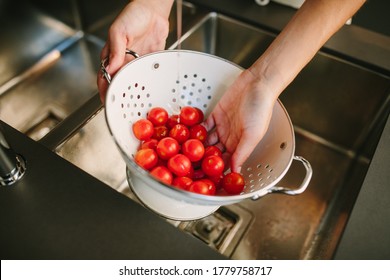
(176, 78)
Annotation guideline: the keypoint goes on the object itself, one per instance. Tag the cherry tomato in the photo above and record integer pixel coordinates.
(201, 114)
(160, 132)
(212, 150)
(193, 149)
(143, 129)
(213, 165)
(163, 174)
(179, 165)
(189, 116)
(172, 121)
(149, 144)
(217, 180)
(167, 147)
(233, 183)
(182, 182)
(199, 132)
(202, 187)
(158, 116)
(212, 187)
(180, 132)
(146, 158)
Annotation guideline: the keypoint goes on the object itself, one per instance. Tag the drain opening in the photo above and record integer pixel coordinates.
(43, 126)
(222, 230)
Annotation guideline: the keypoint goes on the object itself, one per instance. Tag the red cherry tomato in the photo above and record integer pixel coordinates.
(212, 187)
(202, 187)
(179, 165)
(158, 116)
(201, 114)
(180, 132)
(172, 121)
(233, 183)
(143, 129)
(193, 149)
(217, 180)
(160, 132)
(199, 132)
(146, 158)
(213, 165)
(163, 174)
(167, 148)
(189, 116)
(182, 182)
(149, 144)
(212, 151)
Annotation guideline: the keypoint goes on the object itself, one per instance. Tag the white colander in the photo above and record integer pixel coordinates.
(173, 79)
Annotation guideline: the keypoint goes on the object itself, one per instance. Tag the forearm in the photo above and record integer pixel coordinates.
(162, 6)
(312, 25)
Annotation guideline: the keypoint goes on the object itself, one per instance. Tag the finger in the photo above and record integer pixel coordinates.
(105, 51)
(102, 86)
(209, 123)
(241, 154)
(212, 138)
(221, 147)
(117, 52)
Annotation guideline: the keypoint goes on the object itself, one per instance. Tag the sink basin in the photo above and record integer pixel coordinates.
(326, 104)
(56, 74)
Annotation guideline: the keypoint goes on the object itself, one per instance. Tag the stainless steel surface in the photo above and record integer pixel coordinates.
(55, 93)
(338, 109)
(27, 35)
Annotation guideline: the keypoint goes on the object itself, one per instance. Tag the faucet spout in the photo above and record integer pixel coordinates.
(12, 165)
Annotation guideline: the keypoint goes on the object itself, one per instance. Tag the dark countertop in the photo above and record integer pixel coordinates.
(57, 211)
(367, 235)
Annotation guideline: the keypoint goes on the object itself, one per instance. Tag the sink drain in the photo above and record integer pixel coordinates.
(221, 230)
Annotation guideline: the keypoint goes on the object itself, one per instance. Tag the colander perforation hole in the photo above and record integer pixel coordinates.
(133, 100)
(192, 90)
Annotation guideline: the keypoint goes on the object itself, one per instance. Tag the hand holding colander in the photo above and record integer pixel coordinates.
(173, 79)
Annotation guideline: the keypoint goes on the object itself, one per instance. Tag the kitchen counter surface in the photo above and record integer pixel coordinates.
(57, 211)
(367, 233)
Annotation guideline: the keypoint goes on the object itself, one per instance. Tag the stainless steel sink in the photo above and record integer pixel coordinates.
(338, 109)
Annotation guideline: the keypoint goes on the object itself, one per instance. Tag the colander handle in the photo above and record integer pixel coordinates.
(303, 186)
(103, 63)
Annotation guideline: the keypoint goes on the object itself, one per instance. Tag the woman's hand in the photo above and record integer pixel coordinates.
(143, 27)
(241, 118)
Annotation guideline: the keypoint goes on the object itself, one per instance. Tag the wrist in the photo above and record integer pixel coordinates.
(267, 81)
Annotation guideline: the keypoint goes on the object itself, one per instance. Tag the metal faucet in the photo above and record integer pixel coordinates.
(12, 165)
